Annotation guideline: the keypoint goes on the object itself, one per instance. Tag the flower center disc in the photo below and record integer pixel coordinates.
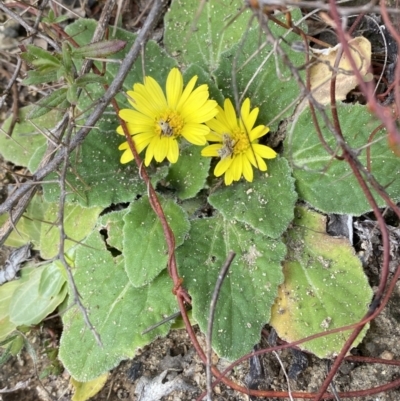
(241, 142)
(169, 124)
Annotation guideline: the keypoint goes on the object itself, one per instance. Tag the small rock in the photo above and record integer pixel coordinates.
(387, 355)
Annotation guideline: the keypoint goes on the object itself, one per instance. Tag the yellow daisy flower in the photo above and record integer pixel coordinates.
(237, 145)
(159, 120)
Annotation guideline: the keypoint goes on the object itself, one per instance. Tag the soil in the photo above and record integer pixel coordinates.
(171, 363)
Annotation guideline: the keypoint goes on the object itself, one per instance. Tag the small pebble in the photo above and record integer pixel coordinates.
(387, 355)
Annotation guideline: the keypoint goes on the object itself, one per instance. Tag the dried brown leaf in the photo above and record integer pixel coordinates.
(322, 70)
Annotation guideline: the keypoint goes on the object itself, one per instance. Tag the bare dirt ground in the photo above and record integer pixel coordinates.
(171, 365)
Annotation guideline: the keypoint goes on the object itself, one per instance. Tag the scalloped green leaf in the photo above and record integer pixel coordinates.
(96, 177)
(328, 184)
(78, 223)
(149, 255)
(257, 77)
(113, 223)
(28, 306)
(29, 225)
(6, 292)
(196, 34)
(249, 289)
(325, 287)
(266, 204)
(26, 138)
(188, 175)
(118, 311)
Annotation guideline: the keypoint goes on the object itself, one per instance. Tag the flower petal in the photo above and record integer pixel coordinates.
(173, 151)
(202, 114)
(133, 116)
(261, 165)
(142, 140)
(174, 88)
(150, 150)
(211, 150)
(186, 93)
(161, 148)
(237, 167)
(145, 105)
(245, 109)
(195, 133)
(228, 179)
(250, 155)
(155, 92)
(126, 157)
(264, 151)
(218, 126)
(247, 169)
(214, 137)
(250, 120)
(230, 115)
(222, 166)
(258, 132)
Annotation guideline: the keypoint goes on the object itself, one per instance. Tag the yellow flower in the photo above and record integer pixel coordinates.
(237, 145)
(158, 120)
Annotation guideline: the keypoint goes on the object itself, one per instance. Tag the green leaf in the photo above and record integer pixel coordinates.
(113, 224)
(72, 94)
(29, 225)
(40, 77)
(96, 177)
(6, 292)
(50, 102)
(99, 49)
(329, 184)
(28, 306)
(40, 58)
(325, 287)
(51, 280)
(188, 175)
(78, 223)
(266, 204)
(68, 64)
(196, 34)
(118, 311)
(249, 289)
(149, 255)
(256, 73)
(25, 138)
(52, 19)
(90, 78)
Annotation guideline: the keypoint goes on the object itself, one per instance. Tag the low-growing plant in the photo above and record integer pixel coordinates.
(203, 113)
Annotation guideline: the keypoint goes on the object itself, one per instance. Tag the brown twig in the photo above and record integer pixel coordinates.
(29, 29)
(213, 305)
(76, 298)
